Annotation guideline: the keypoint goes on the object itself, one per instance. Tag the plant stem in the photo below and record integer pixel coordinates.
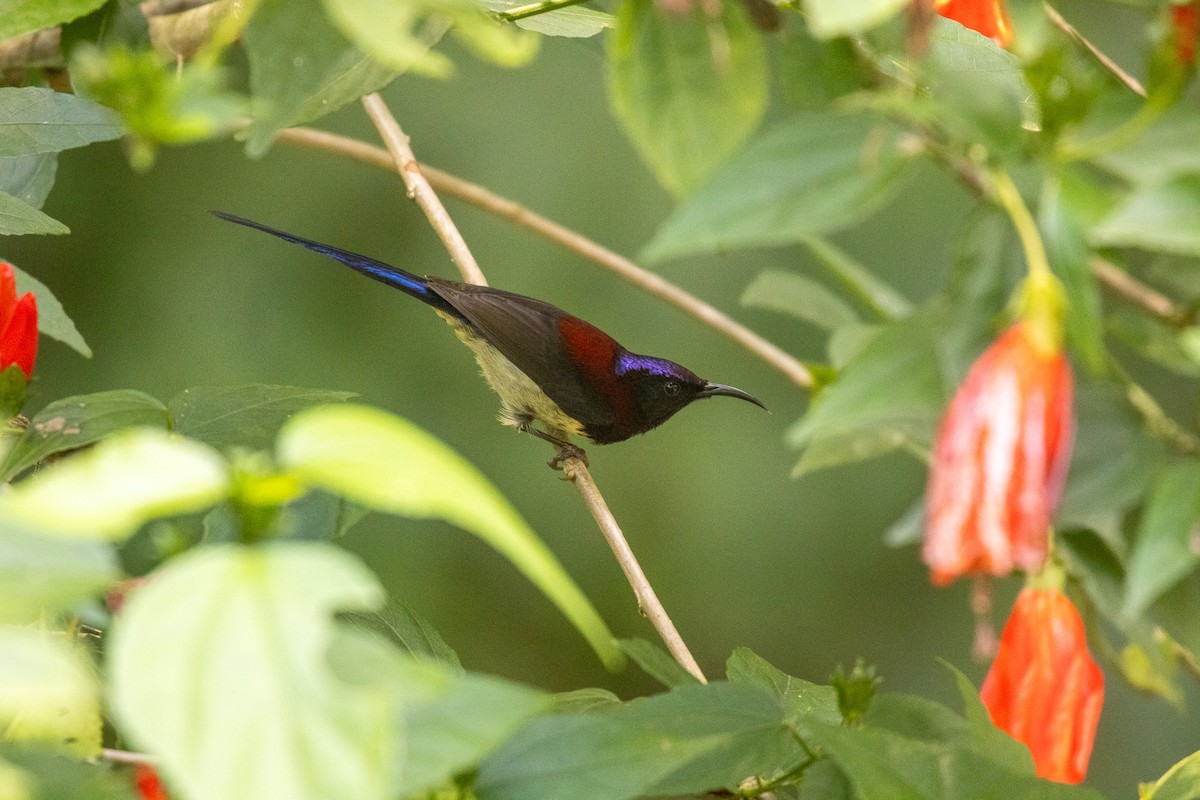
(1133, 83)
(534, 9)
(1009, 198)
(489, 201)
(127, 757)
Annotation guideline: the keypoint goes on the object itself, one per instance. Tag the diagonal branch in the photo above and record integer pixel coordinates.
(576, 469)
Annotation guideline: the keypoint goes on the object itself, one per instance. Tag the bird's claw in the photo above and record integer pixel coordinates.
(567, 451)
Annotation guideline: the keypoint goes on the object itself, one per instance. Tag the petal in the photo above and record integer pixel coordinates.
(8, 293)
(19, 341)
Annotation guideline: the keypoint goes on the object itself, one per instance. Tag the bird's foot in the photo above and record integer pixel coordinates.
(566, 451)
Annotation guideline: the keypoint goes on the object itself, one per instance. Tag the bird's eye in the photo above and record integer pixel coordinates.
(671, 388)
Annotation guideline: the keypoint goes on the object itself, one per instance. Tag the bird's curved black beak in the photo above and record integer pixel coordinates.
(714, 389)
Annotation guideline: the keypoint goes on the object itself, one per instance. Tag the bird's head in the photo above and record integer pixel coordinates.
(661, 387)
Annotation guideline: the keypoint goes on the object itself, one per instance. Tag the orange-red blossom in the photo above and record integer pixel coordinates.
(1044, 689)
(18, 324)
(989, 17)
(999, 459)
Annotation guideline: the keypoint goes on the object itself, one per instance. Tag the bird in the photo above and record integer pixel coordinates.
(548, 366)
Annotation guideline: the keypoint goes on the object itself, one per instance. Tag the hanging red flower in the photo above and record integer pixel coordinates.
(18, 324)
(1044, 689)
(999, 460)
(989, 17)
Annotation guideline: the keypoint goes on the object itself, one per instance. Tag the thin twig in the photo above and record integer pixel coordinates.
(419, 189)
(489, 201)
(647, 600)
(127, 757)
(1133, 83)
(1124, 285)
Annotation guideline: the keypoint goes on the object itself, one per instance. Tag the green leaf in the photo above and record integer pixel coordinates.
(301, 68)
(1161, 217)
(1164, 551)
(1180, 782)
(48, 692)
(1165, 150)
(1155, 340)
(26, 16)
(249, 632)
(28, 178)
(35, 120)
(52, 318)
(815, 73)
(1064, 232)
(386, 463)
(693, 739)
(875, 294)
(985, 736)
(829, 18)
(811, 174)
(656, 662)
(42, 774)
(125, 481)
(800, 297)
(18, 217)
(450, 719)
(400, 624)
(246, 416)
(74, 422)
(803, 700)
(40, 574)
(852, 419)
(572, 22)
(689, 88)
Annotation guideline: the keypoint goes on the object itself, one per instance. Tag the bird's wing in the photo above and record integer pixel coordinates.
(526, 331)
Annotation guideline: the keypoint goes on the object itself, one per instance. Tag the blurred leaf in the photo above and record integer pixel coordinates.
(813, 173)
(50, 776)
(40, 574)
(245, 416)
(18, 217)
(26, 16)
(800, 297)
(48, 692)
(35, 120)
(852, 419)
(1155, 340)
(573, 21)
(692, 739)
(123, 482)
(689, 87)
(814, 73)
(977, 89)
(301, 68)
(249, 632)
(1165, 549)
(829, 18)
(801, 699)
(985, 736)
(388, 464)
(1180, 782)
(450, 719)
(1165, 150)
(74, 422)
(1112, 462)
(1065, 236)
(875, 294)
(585, 700)
(1160, 217)
(400, 624)
(656, 662)
(28, 178)
(52, 319)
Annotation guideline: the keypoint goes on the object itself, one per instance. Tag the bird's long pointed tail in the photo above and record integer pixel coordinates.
(406, 282)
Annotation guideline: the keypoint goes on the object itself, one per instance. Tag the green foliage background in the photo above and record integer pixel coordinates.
(741, 554)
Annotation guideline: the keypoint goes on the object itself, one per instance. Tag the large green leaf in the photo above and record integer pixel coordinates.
(572, 22)
(800, 297)
(40, 574)
(48, 692)
(35, 120)
(301, 68)
(1164, 551)
(1167, 149)
(243, 416)
(1180, 782)
(692, 739)
(123, 482)
(689, 88)
(657, 663)
(1161, 217)
(18, 217)
(813, 173)
(26, 16)
(28, 178)
(52, 318)
(386, 463)
(75, 422)
(829, 18)
(450, 719)
(218, 666)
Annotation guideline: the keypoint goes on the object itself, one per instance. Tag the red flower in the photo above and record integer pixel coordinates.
(18, 324)
(149, 786)
(999, 460)
(989, 17)
(1044, 689)
(1185, 27)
